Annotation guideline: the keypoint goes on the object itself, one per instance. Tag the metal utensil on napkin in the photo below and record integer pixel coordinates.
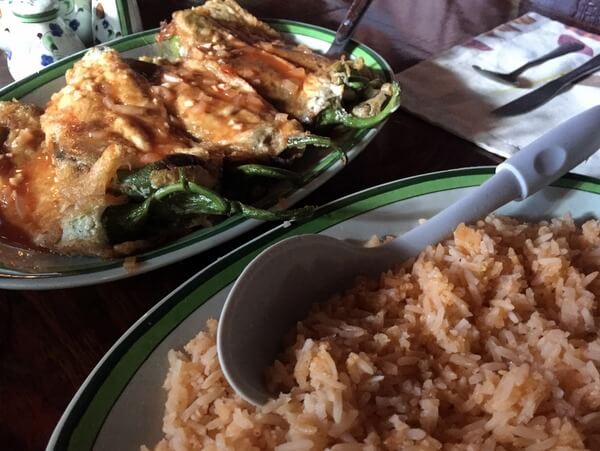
(541, 95)
(513, 76)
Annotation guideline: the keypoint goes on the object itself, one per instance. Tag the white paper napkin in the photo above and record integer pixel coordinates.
(450, 93)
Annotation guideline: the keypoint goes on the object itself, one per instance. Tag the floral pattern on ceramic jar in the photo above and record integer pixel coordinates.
(112, 19)
(35, 36)
(77, 15)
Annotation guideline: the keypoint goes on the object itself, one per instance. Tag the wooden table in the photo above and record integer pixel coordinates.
(50, 341)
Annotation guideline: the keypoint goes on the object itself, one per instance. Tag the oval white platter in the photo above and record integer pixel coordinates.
(121, 403)
(50, 271)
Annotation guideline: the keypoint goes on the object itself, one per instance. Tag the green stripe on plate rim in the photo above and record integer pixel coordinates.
(56, 70)
(96, 397)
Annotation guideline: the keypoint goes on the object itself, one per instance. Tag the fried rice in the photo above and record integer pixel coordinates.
(487, 341)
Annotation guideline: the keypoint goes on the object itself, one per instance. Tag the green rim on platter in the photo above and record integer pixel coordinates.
(91, 405)
(54, 71)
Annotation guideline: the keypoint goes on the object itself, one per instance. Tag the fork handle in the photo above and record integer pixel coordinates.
(346, 29)
(562, 49)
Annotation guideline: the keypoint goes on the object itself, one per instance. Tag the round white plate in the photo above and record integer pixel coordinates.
(25, 269)
(121, 404)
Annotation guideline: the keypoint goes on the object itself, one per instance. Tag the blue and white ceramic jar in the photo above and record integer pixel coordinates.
(35, 36)
(112, 19)
(77, 14)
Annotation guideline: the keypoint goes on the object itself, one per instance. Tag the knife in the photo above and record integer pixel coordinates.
(544, 93)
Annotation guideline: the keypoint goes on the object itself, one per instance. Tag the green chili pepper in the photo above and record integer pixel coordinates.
(300, 141)
(267, 215)
(272, 172)
(357, 82)
(215, 204)
(137, 184)
(179, 201)
(126, 222)
(174, 47)
(338, 115)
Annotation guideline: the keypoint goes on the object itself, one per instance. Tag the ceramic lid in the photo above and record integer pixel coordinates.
(37, 10)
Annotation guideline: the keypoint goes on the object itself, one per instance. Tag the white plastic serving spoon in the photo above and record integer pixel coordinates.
(278, 287)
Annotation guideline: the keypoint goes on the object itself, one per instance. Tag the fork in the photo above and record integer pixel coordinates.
(513, 77)
(346, 29)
